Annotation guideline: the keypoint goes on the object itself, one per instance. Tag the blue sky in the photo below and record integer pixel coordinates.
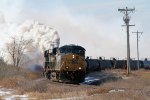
(94, 24)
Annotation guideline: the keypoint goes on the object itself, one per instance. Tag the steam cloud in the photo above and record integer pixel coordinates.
(43, 37)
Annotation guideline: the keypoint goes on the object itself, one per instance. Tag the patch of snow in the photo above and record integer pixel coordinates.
(20, 97)
(90, 79)
(69, 98)
(2, 93)
(9, 94)
(116, 90)
(125, 77)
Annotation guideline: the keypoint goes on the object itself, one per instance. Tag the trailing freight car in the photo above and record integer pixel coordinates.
(146, 64)
(98, 64)
(106, 64)
(92, 65)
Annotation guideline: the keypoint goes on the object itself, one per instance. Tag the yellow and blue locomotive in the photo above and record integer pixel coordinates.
(66, 64)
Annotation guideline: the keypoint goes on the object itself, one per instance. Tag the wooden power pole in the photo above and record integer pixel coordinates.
(126, 19)
(137, 33)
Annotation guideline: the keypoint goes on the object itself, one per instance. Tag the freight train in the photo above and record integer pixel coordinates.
(66, 64)
(102, 64)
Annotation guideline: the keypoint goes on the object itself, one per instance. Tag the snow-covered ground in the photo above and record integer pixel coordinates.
(96, 78)
(10, 94)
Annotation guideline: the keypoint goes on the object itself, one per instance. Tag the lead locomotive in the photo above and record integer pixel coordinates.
(66, 64)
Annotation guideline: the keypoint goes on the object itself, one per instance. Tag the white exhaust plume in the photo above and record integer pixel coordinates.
(2, 19)
(43, 37)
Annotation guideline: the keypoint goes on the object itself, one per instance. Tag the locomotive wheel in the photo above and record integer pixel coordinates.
(54, 76)
(58, 76)
(48, 75)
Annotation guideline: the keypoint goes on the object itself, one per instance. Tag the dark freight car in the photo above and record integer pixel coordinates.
(92, 65)
(96, 64)
(146, 64)
(106, 64)
(134, 64)
(119, 64)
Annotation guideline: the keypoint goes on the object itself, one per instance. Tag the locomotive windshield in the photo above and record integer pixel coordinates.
(73, 49)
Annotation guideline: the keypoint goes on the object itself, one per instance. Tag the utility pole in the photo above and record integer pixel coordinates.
(126, 19)
(137, 33)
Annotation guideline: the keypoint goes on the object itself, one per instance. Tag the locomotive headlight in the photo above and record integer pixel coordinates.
(73, 56)
(80, 68)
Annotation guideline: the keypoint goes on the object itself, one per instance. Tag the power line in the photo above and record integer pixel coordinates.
(137, 33)
(126, 11)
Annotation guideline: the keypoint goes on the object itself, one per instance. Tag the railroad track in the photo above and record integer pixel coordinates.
(63, 84)
(56, 83)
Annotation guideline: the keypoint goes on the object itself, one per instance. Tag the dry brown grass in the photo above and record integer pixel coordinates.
(33, 86)
(137, 87)
(127, 95)
(6, 71)
(23, 80)
(55, 95)
(55, 91)
(31, 75)
(9, 82)
(144, 74)
(99, 90)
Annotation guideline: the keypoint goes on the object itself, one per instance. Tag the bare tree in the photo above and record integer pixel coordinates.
(17, 48)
